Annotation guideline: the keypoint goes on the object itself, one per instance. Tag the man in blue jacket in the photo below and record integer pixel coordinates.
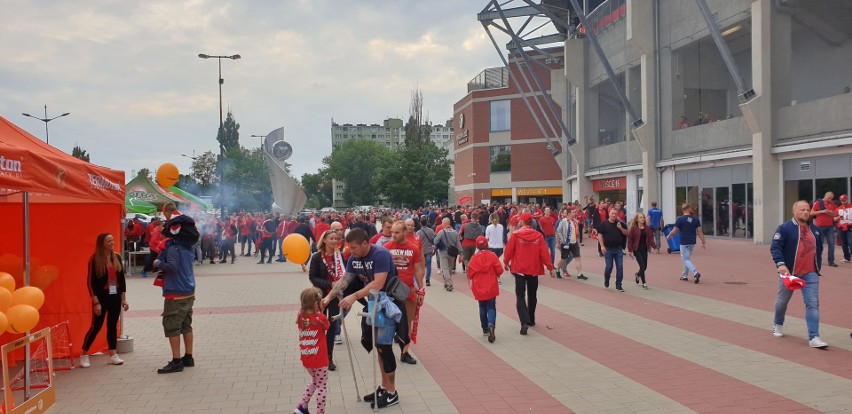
(175, 264)
(795, 248)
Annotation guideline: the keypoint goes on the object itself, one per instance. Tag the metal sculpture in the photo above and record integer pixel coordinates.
(288, 196)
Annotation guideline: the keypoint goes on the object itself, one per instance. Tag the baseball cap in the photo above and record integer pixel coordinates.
(526, 217)
(481, 243)
(844, 197)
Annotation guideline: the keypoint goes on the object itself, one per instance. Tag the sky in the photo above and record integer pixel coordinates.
(139, 96)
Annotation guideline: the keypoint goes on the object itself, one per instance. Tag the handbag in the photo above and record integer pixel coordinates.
(396, 288)
(452, 251)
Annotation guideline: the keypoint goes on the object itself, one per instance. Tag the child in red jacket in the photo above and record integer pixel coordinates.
(312, 325)
(483, 271)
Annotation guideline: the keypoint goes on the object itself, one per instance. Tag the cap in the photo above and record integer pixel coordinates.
(526, 217)
(844, 197)
(481, 243)
(793, 282)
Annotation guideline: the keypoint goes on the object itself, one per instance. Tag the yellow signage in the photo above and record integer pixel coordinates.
(501, 192)
(539, 191)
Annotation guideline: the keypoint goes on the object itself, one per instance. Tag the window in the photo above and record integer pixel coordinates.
(501, 158)
(500, 116)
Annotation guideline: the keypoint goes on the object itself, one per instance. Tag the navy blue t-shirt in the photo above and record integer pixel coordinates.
(655, 216)
(378, 260)
(686, 226)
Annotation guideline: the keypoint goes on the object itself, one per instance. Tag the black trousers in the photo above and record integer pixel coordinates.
(265, 247)
(332, 309)
(641, 256)
(526, 287)
(110, 310)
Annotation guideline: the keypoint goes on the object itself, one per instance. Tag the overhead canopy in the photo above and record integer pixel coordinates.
(196, 203)
(143, 189)
(60, 189)
(135, 205)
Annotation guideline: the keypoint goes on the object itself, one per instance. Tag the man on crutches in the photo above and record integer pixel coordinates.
(371, 267)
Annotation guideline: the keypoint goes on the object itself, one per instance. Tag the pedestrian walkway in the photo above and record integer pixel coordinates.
(676, 347)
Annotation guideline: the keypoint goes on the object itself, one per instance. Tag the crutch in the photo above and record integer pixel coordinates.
(371, 315)
(339, 317)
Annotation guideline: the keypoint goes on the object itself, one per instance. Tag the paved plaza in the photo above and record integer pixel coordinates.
(677, 347)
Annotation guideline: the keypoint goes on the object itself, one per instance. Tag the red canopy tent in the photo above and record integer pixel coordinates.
(52, 208)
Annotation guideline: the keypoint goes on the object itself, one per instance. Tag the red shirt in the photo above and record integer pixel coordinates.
(806, 253)
(548, 225)
(312, 344)
(405, 256)
(824, 219)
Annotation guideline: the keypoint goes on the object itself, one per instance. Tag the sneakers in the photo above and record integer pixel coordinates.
(428, 283)
(817, 343)
(524, 329)
(386, 399)
(645, 286)
(188, 361)
(697, 277)
(606, 283)
(171, 367)
(84, 361)
(619, 288)
(581, 277)
(338, 340)
(637, 277)
(684, 278)
(449, 288)
(115, 360)
(558, 275)
(261, 261)
(301, 409)
(491, 336)
(484, 333)
(832, 264)
(223, 261)
(407, 358)
(372, 396)
(144, 274)
(331, 365)
(778, 331)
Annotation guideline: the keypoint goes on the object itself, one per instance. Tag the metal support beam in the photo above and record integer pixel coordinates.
(515, 12)
(743, 94)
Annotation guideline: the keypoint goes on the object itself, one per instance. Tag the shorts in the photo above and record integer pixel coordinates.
(572, 250)
(177, 316)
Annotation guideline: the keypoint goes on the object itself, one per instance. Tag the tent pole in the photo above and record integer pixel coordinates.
(26, 203)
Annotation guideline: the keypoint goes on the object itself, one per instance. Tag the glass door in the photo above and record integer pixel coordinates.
(723, 211)
(707, 208)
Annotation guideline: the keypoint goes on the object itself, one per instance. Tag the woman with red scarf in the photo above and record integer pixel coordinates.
(327, 265)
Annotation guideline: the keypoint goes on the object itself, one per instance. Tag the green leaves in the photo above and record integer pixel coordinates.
(80, 153)
(355, 164)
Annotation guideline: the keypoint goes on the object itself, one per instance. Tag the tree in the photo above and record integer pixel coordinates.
(204, 170)
(417, 131)
(80, 153)
(415, 175)
(318, 188)
(246, 180)
(355, 163)
(144, 171)
(229, 133)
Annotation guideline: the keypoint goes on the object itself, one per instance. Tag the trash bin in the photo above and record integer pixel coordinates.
(674, 242)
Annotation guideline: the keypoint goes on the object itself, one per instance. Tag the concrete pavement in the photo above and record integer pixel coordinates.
(677, 347)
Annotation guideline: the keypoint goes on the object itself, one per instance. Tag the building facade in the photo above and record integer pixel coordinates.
(741, 164)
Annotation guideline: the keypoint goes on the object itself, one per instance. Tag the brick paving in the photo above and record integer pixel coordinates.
(677, 347)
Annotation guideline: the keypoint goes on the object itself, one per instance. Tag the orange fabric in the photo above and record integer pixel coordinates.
(28, 164)
(71, 202)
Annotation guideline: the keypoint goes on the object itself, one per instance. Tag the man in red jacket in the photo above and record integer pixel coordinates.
(526, 256)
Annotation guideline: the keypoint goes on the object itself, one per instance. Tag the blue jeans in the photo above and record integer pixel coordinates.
(845, 242)
(488, 313)
(686, 256)
(810, 294)
(428, 262)
(827, 234)
(657, 234)
(617, 255)
(551, 245)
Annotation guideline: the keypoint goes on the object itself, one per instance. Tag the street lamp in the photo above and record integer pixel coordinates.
(221, 128)
(261, 139)
(46, 120)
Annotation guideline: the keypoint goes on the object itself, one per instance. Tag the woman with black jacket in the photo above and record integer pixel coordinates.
(327, 266)
(107, 286)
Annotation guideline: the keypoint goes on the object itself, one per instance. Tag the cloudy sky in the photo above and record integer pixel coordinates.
(138, 95)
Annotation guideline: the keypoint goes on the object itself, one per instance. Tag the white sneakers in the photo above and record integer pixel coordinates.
(337, 339)
(817, 343)
(115, 360)
(779, 331)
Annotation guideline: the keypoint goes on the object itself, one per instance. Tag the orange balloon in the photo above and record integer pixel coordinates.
(28, 295)
(22, 318)
(44, 276)
(7, 282)
(5, 302)
(296, 248)
(167, 175)
(4, 322)
(13, 265)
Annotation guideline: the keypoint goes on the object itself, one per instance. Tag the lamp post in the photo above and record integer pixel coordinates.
(261, 139)
(46, 120)
(221, 128)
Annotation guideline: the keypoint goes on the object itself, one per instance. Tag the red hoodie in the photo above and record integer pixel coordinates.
(527, 252)
(483, 270)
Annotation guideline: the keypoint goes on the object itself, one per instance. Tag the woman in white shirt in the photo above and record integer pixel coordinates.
(494, 234)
